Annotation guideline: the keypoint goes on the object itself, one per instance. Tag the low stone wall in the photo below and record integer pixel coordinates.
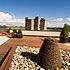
(41, 33)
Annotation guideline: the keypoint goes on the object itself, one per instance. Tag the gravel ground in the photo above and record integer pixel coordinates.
(22, 59)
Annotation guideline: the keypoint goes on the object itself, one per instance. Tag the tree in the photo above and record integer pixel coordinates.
(64, 35)
(67, 27)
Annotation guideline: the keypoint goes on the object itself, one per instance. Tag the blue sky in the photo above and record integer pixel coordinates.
(54, 11)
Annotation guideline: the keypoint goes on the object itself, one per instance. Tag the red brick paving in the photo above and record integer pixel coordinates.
(3, 52)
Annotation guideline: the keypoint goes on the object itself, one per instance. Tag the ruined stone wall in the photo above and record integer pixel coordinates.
(26, 23)
(32, 24)
(45, 25)
(29, 24)
(37, 23)
(42, 24)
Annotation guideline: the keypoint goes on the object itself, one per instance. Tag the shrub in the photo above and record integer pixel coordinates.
(49, 55)
(67, 27)
(16, 34)
(69, 39)
(20, 35)
(14, 31)
(64, 34)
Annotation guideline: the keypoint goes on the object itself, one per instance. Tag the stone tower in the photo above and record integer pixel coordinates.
(26, 24)
(29, 24)
(42, 24)
(37, 23)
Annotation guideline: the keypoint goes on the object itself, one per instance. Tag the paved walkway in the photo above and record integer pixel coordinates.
(3, 39)
(42, 33)
(68, 45)
(3, 49)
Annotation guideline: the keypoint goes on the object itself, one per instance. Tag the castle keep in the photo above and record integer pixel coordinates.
(35, 24)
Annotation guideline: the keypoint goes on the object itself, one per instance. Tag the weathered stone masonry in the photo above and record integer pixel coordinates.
(35, 24)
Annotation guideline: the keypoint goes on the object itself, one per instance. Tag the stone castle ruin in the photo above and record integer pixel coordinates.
(35, 24)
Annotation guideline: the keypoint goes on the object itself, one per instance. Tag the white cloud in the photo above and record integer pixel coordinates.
(5, 16)
(7, 19)
(67, 18)
(58, 19)
(55, 24)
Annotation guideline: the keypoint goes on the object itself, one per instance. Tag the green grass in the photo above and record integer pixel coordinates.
(4, 28)
(9, 27)
(54, 29)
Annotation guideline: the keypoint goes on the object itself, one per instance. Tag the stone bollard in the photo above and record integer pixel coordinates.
(49, 55)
